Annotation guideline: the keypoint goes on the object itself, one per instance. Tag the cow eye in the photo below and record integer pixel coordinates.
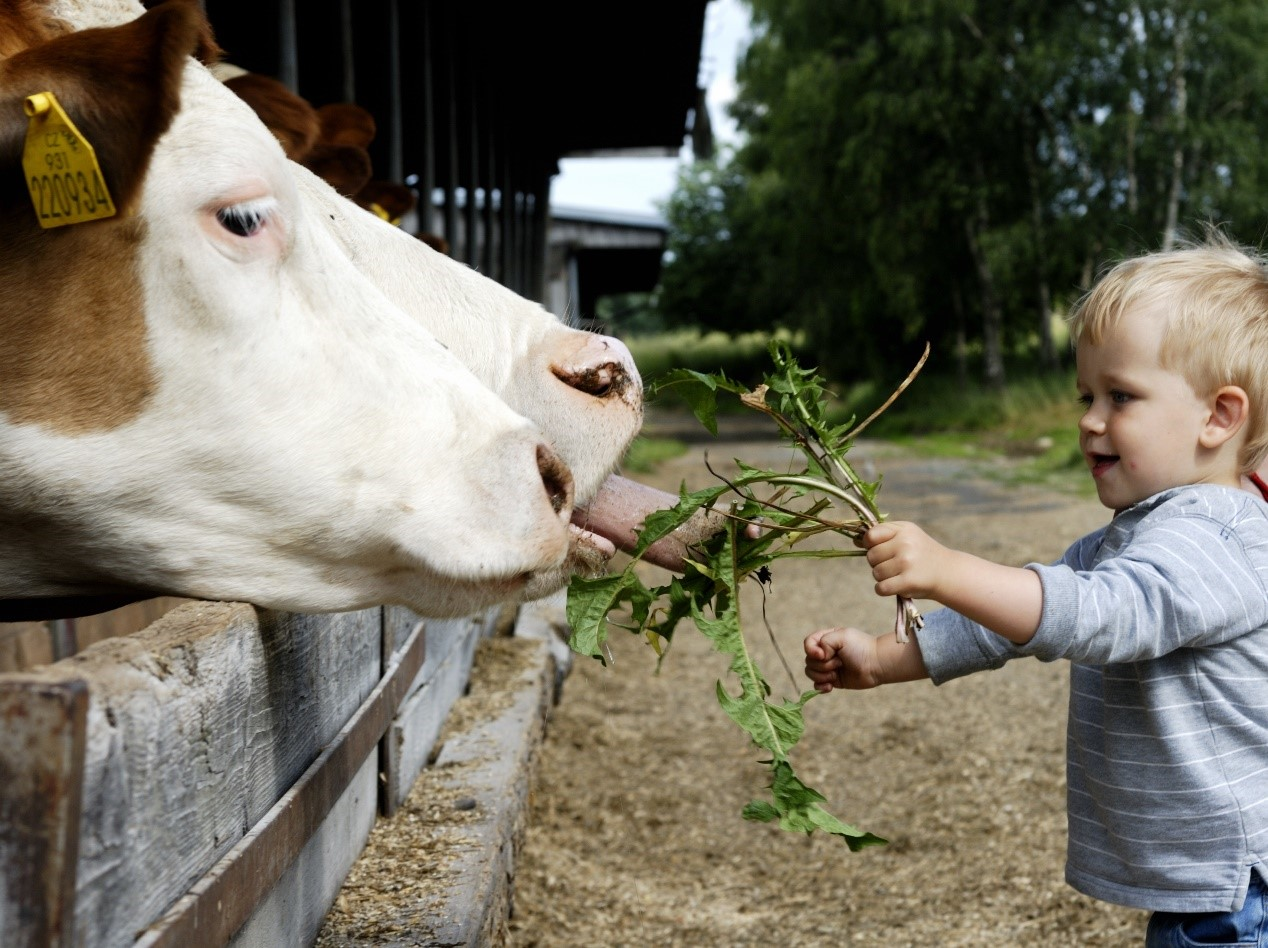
(244, 220)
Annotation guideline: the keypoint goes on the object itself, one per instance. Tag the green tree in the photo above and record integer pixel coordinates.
(953, 170)
(707, 279)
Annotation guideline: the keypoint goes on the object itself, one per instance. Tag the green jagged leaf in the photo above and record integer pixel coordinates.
(700, 392)
(590, 601)
(772, 727)
(798, 808)
(796, 400)
(681, 595)
(664, 522)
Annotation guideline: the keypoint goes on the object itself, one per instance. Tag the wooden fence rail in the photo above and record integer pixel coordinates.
(210, 779)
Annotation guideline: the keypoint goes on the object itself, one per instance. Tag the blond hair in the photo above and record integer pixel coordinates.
(1214, 296)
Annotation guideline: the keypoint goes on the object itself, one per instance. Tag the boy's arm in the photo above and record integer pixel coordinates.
(906, 561)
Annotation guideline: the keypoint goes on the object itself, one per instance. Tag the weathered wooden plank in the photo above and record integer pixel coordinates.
(462, 881)
(547, 621)
(122, 621)
(42, 728)
(196, 727)
(24, 645)
(443, 679)
(221, 902)
(494, 763)
(292, 914)
(399, 622)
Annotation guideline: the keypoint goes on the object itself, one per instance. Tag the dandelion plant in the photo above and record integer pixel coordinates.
(825, 497)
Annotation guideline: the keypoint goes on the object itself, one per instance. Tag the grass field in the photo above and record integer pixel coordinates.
(1033, 423)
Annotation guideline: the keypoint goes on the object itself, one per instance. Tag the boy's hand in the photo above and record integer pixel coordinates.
(841, 658)
(905, 560)
(849, 658)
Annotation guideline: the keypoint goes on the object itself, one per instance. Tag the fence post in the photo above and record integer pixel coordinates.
(43, 728)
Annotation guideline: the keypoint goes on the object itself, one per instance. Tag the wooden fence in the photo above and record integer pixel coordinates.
(210, 779)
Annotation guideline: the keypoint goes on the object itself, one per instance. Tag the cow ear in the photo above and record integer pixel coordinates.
(119, 85)
(292, 120)
(393, 200)
(346, 123)
(346, 168)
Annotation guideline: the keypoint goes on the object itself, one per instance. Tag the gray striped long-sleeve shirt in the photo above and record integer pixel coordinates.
(1163, 615)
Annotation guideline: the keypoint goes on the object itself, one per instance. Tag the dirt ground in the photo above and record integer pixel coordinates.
(635, 835)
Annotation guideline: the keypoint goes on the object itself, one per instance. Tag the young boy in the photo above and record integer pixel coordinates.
(1163, 613)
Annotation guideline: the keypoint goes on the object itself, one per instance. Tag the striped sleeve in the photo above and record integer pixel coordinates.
(1185, 581)
(953, 646)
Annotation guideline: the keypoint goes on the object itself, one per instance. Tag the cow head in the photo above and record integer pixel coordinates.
(226, 392)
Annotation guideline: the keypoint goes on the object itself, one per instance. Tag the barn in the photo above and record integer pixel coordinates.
(210, 778)
(476, 102)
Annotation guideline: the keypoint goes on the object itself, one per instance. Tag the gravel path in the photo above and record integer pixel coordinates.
(635, 836)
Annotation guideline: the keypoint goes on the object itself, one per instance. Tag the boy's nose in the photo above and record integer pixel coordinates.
(1091, 422)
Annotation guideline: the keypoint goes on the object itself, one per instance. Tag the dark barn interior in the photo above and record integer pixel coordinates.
(476, 101)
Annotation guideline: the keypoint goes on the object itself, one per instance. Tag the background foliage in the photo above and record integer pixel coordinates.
(957, 171)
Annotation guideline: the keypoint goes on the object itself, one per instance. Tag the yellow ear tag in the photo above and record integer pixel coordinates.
(381, 212)
(62, 172)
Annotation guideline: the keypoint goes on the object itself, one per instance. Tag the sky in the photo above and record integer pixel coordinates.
(638, 185)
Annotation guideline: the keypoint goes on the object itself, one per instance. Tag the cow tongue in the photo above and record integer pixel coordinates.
(619, 509)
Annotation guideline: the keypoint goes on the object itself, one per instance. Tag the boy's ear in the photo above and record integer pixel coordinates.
(1230, 407)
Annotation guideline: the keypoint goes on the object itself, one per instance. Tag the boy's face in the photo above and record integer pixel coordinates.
(1140, 430)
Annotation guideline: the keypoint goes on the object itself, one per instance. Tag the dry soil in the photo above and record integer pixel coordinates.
(635, 835)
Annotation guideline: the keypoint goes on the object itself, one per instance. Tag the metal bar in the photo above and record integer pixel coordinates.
(219, 904)
(427, 181)
(395, 130)
(472, 171)
(288, 46)
(488, 255)
(62, 633)
(387, 762)
(451, 136)
(42, 746)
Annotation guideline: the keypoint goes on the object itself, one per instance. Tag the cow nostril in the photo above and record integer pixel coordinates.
(599, 381)
(557, 480)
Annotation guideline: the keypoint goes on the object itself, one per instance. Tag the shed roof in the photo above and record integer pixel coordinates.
(546, 80)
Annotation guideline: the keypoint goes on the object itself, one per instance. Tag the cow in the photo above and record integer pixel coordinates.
(244, 387)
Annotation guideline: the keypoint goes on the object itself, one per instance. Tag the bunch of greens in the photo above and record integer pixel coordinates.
(795, 507)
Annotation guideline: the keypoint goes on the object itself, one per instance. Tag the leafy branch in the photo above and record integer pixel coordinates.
(826, 497)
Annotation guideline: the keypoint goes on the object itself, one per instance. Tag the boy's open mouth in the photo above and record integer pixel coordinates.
(1100, 463)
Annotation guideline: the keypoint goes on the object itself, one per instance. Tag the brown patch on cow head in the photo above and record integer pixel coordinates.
(72, 317)
(73, 354)
(339, 156)
(291, 119)
(346, 168)
(346, 123)
(26, 23)
(121, 87)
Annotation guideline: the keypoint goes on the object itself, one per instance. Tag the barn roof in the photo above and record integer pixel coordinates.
(545, 80)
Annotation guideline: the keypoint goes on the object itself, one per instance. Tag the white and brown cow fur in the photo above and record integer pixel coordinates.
(243, 386)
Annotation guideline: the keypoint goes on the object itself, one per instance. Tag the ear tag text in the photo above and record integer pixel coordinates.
(62, 173)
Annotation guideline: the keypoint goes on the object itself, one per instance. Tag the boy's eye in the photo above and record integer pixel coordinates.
(1120, 398)
(1085, 400)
